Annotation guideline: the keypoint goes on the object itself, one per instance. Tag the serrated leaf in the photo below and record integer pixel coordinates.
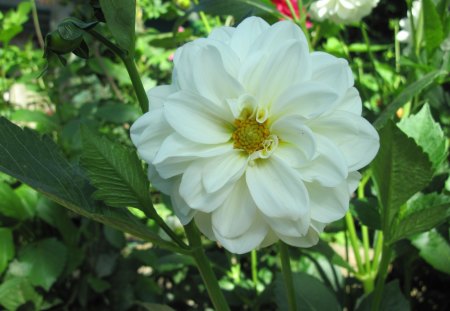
(421, 214)
(39, 163)
(115, 171)
(120, 17)
(400, 170)
(367, 213)
(406, 95)
(46, 260)
(434, 249)
(16, 292)
(427, 133)
(6, 248)
(311, 294)
(432, 25)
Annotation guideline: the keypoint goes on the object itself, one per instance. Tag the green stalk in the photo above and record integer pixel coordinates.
(371, 57)
(377, 253)
(37, 27)
(254, 262)
(365, 238)
(384, 265)
(354, 241)
(204, 266)
(130, 66)
(287, 276)
(300, 21)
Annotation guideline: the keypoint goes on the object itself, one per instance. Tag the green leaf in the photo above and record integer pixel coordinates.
(421, 214)
(432, 24)
(11, 205)
(120, 17)
(367, 213)
(6, 248)
(39, 163)
(115, 237)
(406, 95)
(434, 249)
(154, 307)
(115, 171)
(16, 292)
(118, 113)
(46, 260)
(98, 285)
(400, 170)
(237, 8)
(391, 299)
(311, 294)
(326, 250)
(43, 122)
(427, 133)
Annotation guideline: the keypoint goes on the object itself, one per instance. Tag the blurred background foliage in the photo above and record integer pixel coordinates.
(54, 259)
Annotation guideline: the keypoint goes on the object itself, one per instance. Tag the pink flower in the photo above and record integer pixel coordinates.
(283, 7)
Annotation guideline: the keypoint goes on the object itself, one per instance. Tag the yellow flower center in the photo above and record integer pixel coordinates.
(250, 135)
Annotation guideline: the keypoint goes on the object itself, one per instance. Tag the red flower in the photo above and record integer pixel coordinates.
(284, 8)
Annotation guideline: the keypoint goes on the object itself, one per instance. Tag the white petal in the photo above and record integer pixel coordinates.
(292, 130)
(223, 169)
(158, 95)
(148, 133)
(307, 99)
(277, 189)
(332, 71)
(350, 102)
(195, 195)
(329, 168)
(268, 76)
(353, 181)
(248, 241)
(196, 118)
(310, 239)
(353, 135)
(246, 33)
(163, 185)
(237, 213)
(200, 68)
(204, 224)
(328, 204)
(289, 227)
(270, 239)
(279, 33)
(222, 34)
(291, 155)
(176, 146)
(180, 207)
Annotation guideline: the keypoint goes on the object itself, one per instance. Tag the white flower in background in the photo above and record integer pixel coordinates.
(342, 11)
(256, 138)
(404, 35)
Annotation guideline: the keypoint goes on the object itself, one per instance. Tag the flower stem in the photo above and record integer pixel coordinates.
(382, 272)
(287, 276)
(204, 266)
(37, 27)
(254, 261)
(354, 241)
(130, 66)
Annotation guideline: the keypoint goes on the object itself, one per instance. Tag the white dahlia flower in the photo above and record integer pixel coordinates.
(342, 11)
(256, 138)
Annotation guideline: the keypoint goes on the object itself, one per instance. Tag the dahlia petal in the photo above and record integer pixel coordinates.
(291, 155)
(289, 227)
(355, 137)
(224, 169)
(353, 181)
(200, 68)
(246, 33)
(148, 133)
(237, 213)
(176, 146)
(329, 168)
(332, 71)
(163, 185)
(180, 207)
(310, 239)
(328, 204)
(195, 195)
(350, 102)
(158, 95)
(278, 191)
(204, 224)
(196, 118)
(246, 242)
(291, 130)
(223, 34)
(308, 99)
